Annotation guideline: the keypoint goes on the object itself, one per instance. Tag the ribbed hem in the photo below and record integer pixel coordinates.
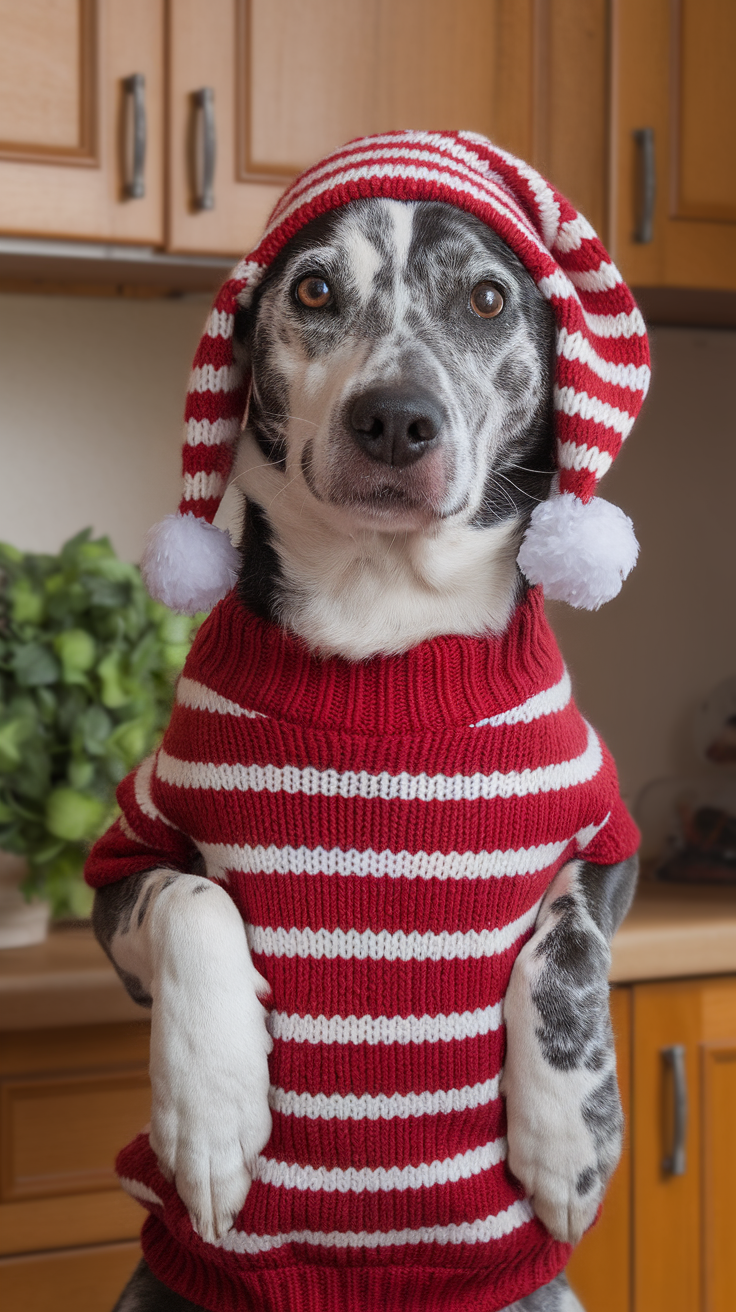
(313, 1288)
(446, 681)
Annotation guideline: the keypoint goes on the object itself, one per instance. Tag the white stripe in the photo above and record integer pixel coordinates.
(385, 1029)
(482, 1231)
(354, 945)
(382, 1106)
(384, 787)
(601, 279)
(616, 325)
(572, 456)
(202, 487)
(142, 790)
(556, 284)
(139, 1190)
(220, 324)
(573, 233)
(206, 378)
(223, 857)
(575, 346)
(381, 1179)
(543, 703)
(198, 697)
(586, 836)
(571, 402)
(208, 432)
(129, 831)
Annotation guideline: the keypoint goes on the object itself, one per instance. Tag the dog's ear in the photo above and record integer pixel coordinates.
(245, 317)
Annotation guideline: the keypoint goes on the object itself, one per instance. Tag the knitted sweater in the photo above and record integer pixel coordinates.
(387, 830)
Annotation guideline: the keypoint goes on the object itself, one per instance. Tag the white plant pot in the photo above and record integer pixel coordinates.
(21, 922)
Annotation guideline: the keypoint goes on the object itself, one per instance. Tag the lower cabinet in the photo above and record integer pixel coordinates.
(666, 1240)
(69, 1099)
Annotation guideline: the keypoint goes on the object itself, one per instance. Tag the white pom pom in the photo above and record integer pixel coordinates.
(579, 553)
(189, 564)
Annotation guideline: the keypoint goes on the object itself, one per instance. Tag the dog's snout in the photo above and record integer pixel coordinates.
(395, 427)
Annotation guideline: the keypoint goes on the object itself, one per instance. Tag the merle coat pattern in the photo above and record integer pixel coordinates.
(399, 434)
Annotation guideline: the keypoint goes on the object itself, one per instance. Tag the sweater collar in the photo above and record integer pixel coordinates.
(447, 681)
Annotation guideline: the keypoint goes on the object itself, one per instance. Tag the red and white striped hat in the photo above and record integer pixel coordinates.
(579, 547)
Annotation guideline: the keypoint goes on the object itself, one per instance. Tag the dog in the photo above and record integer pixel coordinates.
(398, 438)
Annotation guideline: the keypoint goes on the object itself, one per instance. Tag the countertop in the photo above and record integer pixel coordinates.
(671, 932)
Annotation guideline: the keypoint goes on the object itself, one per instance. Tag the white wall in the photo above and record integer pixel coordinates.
(91, 399)
(91, 405)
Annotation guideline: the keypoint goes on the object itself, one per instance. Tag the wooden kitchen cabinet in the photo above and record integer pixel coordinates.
(70, 1097)
(271, 85)
(673, 72)
(684, 1224)
(665, 1241)
(65, 116)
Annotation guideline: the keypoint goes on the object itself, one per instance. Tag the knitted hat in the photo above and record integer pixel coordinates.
(577, 546)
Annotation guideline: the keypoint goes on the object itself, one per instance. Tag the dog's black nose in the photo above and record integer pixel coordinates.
(395, 427)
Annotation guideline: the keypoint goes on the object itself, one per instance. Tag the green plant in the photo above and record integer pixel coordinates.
(87, 662)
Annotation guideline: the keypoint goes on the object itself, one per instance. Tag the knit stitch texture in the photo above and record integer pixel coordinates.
(387, 830)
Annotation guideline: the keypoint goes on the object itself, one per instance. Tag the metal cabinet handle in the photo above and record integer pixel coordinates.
(204, 148)
(134, 153)
(644, 230)
(674, 1059)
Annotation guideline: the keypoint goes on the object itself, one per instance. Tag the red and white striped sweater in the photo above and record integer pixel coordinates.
(387, 830)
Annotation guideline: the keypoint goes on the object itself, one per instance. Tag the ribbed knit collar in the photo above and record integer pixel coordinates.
(446, 681)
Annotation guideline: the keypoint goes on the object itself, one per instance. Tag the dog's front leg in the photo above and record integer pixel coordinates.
(179, 944)
(565, 1123)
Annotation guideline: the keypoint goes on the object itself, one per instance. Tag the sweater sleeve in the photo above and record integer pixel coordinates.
(612, 836)
(141, 838)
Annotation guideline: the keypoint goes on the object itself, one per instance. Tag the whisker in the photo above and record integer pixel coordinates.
(521, 490)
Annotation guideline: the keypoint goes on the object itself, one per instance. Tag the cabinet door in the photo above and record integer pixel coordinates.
(673, 72)
(292, 80)
(66, 151)
(684, 1255)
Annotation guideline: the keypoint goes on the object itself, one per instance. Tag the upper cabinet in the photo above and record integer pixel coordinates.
(177, 125)
(674, 142)
(82, 119)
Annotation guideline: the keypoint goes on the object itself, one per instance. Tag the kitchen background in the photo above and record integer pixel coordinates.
(108, 256)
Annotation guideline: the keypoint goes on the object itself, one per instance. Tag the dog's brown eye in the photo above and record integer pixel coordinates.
(314, 292)
(486, 300)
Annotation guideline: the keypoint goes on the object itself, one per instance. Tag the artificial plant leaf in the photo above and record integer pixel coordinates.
(73, 815)
(80, 773)
(94, 727)
(77, 651)
(26, 602)
(109, 672)
(34, 665)
(13, 734)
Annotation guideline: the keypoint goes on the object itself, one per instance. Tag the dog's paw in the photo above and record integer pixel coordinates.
(210, 1116)
(555, 1162)
(565, 1124)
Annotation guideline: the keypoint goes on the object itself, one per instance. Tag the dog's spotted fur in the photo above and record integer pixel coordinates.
(396, 445)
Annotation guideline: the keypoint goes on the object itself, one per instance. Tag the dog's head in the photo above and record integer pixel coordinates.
(401, 364)
(406, 408)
